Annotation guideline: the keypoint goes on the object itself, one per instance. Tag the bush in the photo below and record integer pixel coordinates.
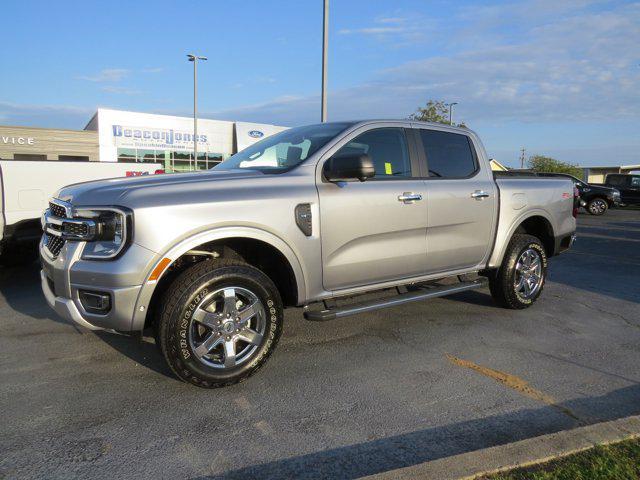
(540, 163)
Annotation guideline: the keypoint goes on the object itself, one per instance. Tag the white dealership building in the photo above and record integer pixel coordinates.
(143, 137)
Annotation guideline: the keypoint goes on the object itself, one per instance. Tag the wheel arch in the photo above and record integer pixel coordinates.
(230, 238)
(601, 196)
(537, 223)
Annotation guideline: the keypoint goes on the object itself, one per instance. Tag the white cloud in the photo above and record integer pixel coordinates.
(401, 31)
(582, 65)
(120, 90)
(391, 20)
(372, 30)
(107, 75)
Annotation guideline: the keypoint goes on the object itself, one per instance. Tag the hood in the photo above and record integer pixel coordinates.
(597, 186)
(115, 191)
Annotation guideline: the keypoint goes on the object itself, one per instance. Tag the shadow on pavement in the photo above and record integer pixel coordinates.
(432, 443)
(140, 351)
(604, 263)
(474, 297)
(20, 287)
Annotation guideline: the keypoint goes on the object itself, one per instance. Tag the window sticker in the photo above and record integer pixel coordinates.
(387, 168)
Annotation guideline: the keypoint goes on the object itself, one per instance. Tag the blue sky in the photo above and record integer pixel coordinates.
(558, 77)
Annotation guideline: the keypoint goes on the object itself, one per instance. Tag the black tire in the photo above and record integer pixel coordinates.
(597, 206)
(502, 283)
(176, 321)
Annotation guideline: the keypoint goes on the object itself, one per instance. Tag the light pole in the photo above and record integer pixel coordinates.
(325, 53)
(194, 59)
(451, 112)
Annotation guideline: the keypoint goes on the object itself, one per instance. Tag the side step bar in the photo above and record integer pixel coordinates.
(401, 299)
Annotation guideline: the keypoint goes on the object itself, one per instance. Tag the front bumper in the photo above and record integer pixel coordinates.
(63, 277)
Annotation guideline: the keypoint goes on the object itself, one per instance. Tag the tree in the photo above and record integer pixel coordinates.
(435, 111)
(540, 163)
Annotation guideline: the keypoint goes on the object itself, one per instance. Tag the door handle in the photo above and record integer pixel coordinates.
(479, 194)
(409, 197)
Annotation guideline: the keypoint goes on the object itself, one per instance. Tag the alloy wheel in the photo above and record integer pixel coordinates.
(227, 327)
(597, 207)
(528, 277)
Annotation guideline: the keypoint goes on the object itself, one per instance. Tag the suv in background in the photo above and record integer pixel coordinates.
(627, 184)
(597, 198)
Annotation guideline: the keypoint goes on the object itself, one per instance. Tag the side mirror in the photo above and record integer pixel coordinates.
(345, 168)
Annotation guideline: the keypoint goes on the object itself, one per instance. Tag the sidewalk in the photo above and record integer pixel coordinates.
(519, 454)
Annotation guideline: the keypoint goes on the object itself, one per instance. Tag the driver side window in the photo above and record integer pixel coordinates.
(388, 150)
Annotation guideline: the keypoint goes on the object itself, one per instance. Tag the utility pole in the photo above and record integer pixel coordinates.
(325, 53)
(522, 152)
(194, 59)
(451, 112)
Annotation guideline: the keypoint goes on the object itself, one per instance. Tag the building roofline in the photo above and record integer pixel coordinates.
(90, 120)
(626, 167)
(499, 164)
(47, 128)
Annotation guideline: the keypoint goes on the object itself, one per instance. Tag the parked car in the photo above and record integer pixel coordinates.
(597, 198)
(627, 184)
(26, 188)
(312, 216)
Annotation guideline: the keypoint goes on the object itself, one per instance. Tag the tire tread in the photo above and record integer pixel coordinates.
(172, 299)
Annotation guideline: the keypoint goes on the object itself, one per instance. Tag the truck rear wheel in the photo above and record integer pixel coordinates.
(219, 322)
(519, 281)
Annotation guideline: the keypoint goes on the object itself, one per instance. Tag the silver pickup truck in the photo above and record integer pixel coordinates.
(339, 218)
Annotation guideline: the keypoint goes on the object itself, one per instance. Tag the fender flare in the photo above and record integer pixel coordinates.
(498, 253)
(181, 247)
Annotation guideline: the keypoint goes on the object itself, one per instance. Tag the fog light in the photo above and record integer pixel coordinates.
(95, 302)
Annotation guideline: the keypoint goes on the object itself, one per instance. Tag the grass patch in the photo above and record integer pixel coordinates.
(619, 461)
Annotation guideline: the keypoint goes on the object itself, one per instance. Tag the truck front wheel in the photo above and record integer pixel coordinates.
(219, 322)
(520, 279)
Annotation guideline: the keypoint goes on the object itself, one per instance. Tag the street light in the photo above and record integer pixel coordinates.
(325, 53)
(194, 59)
(451, 112)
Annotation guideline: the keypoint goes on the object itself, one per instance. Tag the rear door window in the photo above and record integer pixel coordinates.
(449, 155)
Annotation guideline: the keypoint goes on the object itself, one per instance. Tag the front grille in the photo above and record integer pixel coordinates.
(57, 210)
(54, 243)
(80, 229)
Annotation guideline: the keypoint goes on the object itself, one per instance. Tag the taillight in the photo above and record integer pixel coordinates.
(576, 201)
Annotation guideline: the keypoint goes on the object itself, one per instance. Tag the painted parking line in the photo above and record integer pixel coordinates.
(515, 383)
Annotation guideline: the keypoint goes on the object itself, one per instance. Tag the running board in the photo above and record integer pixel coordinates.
(401, 299)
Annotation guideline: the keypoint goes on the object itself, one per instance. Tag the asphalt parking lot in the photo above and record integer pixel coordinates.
(340, 399)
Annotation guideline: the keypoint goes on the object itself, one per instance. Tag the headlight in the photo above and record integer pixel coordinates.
(107, 231)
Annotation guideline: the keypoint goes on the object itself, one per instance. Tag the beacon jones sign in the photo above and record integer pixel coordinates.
(137, 137)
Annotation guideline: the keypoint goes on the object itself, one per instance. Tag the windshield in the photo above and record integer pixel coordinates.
(283, 151)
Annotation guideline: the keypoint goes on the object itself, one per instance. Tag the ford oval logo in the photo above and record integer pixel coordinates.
(256, 134)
